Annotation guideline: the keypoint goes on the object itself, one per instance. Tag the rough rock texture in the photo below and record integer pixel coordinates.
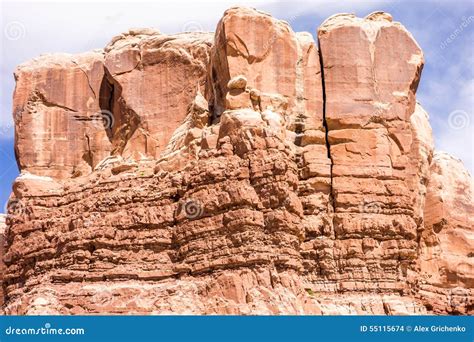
(152, 79)
(447, 242)
(252, 173)
(371, 72)
(60, 128)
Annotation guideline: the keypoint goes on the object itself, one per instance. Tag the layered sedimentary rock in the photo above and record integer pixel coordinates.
(249, 173)
(371, 69)
(291, 97)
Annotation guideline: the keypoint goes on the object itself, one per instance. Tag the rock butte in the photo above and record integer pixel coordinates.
(253, 171)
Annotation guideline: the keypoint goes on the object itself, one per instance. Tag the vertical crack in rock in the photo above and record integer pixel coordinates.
(88, 157)
(299, 101)
(326, 127)
(87, 77)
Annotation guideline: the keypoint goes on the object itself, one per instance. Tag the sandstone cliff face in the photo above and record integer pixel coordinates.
(249, 173)
(152, 80)
(447, 244)
(59, 125)
(371, 68)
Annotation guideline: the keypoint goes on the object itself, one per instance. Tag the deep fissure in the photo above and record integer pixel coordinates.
(325, 125)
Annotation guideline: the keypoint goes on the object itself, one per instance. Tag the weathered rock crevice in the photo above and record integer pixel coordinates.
(124, 121)
(299, 124)
(326, 126)
(38, 97)
(107, 94)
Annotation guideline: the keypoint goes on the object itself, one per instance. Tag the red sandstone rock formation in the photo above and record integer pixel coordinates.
(252, 173)
(152, 79)
(447, 244)
(59, 127)
(371, 71)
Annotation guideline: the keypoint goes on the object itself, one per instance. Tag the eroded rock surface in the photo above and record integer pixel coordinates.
(152, 80)
(236, 175)
(59, 123)
(371, 69)
(447, 242)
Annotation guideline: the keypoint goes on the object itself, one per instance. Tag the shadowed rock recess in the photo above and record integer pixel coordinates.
(250, 171)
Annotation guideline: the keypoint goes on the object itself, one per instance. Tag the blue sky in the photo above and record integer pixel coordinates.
(444, 30)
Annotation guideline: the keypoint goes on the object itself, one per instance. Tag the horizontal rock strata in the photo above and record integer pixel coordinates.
(253, 171)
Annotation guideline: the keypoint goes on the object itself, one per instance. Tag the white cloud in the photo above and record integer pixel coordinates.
(455, 129)
(447, 92)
